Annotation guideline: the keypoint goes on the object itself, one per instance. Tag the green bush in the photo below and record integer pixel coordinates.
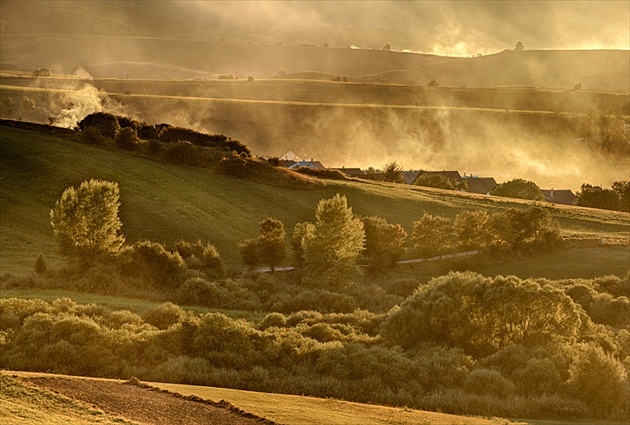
(153, 263)
(204, 257)
(106, 123)
(92, 136)
(185, 153)
(483, 315)
(488, 382)
(127, 138)
(164, 315)
(600, 381)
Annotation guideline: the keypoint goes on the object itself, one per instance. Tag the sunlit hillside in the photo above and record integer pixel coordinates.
(168, 203)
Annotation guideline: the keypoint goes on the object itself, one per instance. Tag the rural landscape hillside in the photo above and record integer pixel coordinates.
(314, 212)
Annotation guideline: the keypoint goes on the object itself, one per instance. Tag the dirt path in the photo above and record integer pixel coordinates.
(145, 405)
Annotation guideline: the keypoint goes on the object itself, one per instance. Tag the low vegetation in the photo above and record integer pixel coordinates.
(458, 342)
(560, 353)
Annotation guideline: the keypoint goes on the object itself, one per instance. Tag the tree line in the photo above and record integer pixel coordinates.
(86, 225)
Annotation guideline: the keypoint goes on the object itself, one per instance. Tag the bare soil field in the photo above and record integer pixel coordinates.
(145, 405)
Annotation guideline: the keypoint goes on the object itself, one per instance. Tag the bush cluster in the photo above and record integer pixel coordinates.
(459, 344)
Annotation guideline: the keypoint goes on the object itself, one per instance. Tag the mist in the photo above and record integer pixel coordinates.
(454, 28)
(199, 41)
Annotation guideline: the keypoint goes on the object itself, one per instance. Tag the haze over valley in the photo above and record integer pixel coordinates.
(486, 95)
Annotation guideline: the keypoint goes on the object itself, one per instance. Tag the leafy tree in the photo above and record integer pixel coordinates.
(483, 315)
(297, 241)
(518, 227)
(40, 264)
(387, 47)
(393, 173)
(156, 265)
(200, 256)
(384, 243)
(250, 253)
(85, 221)
(472, 229)
(271, 243)
(439, 181)
(268, 248)
(334, 241)
(518, 188)
(519, 46)
(599, 380)
(432, 235)
(92, 136)
(622, 188)
(597, 197)
(127, 138)
(106, 123)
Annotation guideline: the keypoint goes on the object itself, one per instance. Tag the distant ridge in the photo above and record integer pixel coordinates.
(593, 69)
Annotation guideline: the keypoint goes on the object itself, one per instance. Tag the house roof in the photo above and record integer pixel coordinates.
(563, 196)
(310, 164)
(290, 156)
(481, 184)
(351, 172)
(372, 176)
(410, 176)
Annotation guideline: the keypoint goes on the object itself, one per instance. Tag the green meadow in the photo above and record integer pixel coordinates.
(168, 203)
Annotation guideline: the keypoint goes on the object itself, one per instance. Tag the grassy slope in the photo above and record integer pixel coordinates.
(299, 410)
(288, 409)
(166, 203)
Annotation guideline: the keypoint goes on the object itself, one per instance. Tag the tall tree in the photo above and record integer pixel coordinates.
(85, 221)
(518, 188)
(393, 173)
(334, 241)
(432, 235)
(598, 197)
(472, 229)
(271, 242)
(384, 243)
(622, 188)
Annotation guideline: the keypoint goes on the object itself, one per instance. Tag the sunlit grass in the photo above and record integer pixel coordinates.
(22, 404)
(300, 410)
(167, 203)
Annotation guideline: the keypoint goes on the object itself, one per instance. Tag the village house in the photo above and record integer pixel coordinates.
(563, 197)
(482, 185)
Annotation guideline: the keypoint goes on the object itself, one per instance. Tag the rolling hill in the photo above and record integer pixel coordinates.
(167, 203)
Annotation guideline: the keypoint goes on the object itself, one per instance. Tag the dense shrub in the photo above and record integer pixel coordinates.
(163, 315)
(483, 315)
(156, 265)
(600, 381)
(196, 291)
(170, 134)
(185, 153)
(488, 382)
(106, 123)
(204, 257)
(92, 136)
(127, 138)
(323, 173)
